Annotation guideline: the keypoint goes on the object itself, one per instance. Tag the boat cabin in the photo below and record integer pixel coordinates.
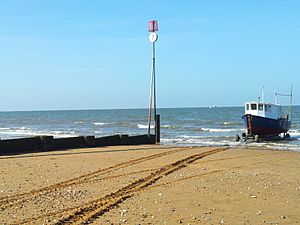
(267, 110)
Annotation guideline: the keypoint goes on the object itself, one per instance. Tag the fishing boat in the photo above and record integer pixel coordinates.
(266, 120)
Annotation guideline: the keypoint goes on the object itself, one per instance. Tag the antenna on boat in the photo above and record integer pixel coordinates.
(263, 94)
(276, 100)
(286, 95)
(291, 102)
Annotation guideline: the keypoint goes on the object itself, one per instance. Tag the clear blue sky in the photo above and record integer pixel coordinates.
(63, 54)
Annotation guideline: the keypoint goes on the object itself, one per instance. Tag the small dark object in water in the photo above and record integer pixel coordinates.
(237, 138)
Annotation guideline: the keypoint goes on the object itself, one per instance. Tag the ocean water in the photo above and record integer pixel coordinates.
(179, 126)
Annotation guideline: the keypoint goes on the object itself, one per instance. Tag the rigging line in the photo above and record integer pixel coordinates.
(287, 95)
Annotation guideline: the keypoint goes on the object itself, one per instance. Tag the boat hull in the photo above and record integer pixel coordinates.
(257, 125)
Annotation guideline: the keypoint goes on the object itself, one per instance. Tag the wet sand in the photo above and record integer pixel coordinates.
(151, 185)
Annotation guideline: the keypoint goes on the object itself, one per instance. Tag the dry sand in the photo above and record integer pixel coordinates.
(151, 185)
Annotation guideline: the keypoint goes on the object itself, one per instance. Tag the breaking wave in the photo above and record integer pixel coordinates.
(228, 123)
(28, 132)
(142, 126)
(221, 130)
(79, 122)
(99, 124)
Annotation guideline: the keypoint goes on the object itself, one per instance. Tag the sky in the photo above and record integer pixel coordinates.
(63, 54)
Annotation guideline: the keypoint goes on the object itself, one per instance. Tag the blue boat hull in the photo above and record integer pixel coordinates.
(257, 125)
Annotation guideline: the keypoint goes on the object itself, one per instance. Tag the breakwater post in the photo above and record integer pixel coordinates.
(157, 128)
(48, 143)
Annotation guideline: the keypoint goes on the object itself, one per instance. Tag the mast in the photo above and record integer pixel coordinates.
(291, 99)
(263, 94)
(291, 102)
(276, 100)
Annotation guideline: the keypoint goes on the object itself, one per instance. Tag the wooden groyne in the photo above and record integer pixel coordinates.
(48, 143)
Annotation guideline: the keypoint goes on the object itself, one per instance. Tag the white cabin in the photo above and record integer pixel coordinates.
(267, 110)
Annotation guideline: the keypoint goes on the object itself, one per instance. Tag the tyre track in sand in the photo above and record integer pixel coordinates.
(90, 211)
(213, 171)
(8, 201)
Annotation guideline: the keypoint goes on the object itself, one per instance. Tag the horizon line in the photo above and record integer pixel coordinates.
(134, 108)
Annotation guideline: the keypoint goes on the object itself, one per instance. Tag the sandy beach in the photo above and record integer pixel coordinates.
(151, 185)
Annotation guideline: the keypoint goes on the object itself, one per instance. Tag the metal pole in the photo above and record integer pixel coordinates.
(152, 92)
(150, 102)
(154, 81)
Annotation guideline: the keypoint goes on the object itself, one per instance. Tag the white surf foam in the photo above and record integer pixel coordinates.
(166, 126)
(222, 130)
(4, 128)
(228, 123)
(203, 137)
(27, 132)
(79, 122)
(294, 133)
(142, 126)
(99, 124)
(198, 142)
(171, 140)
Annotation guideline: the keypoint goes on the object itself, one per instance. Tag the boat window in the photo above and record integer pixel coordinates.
(260, 107)
(253, 107)
(266, 108)
(247, 106)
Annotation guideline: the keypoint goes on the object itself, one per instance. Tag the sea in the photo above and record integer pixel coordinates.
(210, 126)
